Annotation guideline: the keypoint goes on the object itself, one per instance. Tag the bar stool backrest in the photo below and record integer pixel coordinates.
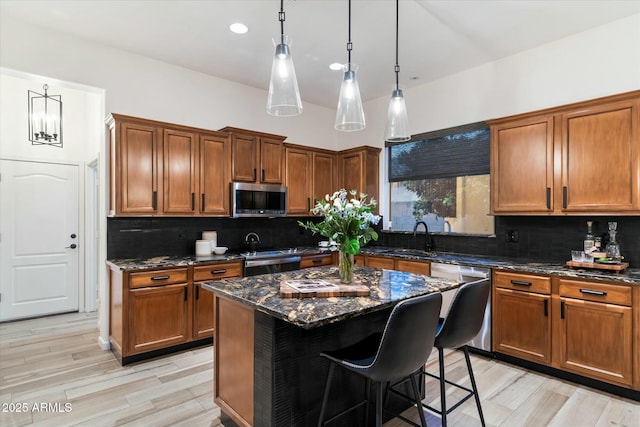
(465, 316)
(407, 339)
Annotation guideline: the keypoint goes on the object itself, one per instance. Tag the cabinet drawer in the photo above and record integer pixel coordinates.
(381, 262)
(522, 282)
(598, 292)
(157, 277)
(417, 267)
(217, 271)
(316, 260)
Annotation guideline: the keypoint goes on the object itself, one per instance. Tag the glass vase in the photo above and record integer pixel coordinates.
(345, 266)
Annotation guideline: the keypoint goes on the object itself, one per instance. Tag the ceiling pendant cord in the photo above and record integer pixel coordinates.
(284, 96)
(350, 114)
(397, 128)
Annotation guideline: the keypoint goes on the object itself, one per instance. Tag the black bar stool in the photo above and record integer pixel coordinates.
(463, 322)
(399, 352)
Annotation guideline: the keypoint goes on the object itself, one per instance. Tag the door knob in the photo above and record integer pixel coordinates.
(73, 246)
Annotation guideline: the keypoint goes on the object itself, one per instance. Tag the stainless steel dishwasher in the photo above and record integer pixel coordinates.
(465, 274)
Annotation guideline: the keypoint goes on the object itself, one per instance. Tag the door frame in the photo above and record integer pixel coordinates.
(81, 219)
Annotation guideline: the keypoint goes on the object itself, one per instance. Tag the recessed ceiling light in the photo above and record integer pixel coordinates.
(336, 66)
(238, 28)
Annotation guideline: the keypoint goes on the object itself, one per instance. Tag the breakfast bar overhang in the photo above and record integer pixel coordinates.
(267, 368)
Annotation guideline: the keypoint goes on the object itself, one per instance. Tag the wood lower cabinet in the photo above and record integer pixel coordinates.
(594, 330)
(317, 260)
(521, 316)
(589, 328)
(159, 317)
(400, 264)
(569, 160)
(158, 309)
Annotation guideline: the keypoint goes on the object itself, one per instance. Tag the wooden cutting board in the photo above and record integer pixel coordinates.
(337, 290)
(612, 267)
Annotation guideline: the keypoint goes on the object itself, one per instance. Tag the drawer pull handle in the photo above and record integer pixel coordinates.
(546, 308)
(222, 270)
(562, 310)
(564, 197)
(548, 197)
(198, 292)
(317, 260)
(186, 294)
(160, 277)
(592, 292)
(520, 283)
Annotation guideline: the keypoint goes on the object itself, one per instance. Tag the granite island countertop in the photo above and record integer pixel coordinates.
(387, 288)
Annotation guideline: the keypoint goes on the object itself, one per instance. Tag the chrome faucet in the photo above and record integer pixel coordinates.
(427, 239)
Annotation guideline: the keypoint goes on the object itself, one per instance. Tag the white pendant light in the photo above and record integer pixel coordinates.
(284, 96)
(350, 115)
(397, 129)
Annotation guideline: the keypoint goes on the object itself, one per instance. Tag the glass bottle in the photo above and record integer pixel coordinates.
(589, 239)
(612, 248)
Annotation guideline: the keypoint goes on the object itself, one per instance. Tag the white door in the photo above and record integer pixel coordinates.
(38, 239)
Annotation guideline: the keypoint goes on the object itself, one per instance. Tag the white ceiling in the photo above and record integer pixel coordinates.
(437, 37)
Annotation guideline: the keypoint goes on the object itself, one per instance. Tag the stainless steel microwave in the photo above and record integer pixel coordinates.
(258, 200)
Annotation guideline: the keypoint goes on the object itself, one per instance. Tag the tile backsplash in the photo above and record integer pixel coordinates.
(543, 239)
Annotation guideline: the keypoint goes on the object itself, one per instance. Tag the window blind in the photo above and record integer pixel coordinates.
(458, 151)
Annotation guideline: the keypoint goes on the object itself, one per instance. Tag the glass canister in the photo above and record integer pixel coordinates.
(613, 249)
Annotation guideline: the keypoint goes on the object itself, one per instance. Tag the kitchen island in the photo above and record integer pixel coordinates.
(267, 369)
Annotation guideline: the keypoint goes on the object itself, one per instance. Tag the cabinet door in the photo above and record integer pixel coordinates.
(522, 325)
(601, 158)
(595, 340)
(214, 175)
(179, 172)
(324, 175)
(138, 150)
(297, 180)
(271, 157)
(244, 158)
(203, 312)
(158, 317)
(522, 166)
(417, 267)
(381, 262)
(352, 171)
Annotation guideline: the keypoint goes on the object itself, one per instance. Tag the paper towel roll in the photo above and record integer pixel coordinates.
(212, 236)
(203, 247)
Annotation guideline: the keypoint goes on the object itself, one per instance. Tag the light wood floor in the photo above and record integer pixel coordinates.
(56, 361)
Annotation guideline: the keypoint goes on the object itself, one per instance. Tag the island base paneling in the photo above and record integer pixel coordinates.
(289, 375)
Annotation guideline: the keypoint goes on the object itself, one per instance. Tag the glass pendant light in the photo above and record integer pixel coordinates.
(284, 97)
(350, 115)
(397, 129)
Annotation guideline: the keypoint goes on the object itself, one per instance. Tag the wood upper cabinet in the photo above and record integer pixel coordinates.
(522, 166)
(256, 156)
(521, 317)
(180, 184)
(309, 174)
(215, 173)
(134, 181)
(358, 170)
(594, 330)
(577, 159)
(163, 169)
(601, 158)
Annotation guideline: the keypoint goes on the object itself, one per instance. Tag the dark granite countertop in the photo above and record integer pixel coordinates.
(630, 275)
(130, 264)
(387, 288)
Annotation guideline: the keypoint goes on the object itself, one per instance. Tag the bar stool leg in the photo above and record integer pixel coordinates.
(367, 391)
(325, 398)
(473, 384)
(443, 398)
(379, 403)
(416, 395)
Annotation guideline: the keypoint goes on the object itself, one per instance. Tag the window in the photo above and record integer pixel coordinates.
(442, 178)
